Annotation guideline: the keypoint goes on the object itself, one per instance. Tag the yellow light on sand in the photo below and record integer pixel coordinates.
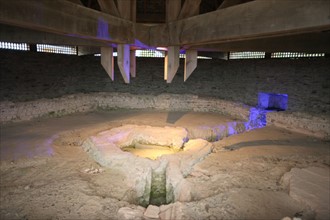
(149, 151)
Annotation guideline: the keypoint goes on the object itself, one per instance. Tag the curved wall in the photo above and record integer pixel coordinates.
(23, 111)
(45, 85)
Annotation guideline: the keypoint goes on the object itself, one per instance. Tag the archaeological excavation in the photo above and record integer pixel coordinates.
(163, 109)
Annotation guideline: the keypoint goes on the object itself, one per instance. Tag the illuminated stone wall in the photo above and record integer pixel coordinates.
(29, 76)
(42, 85)
(22, 111)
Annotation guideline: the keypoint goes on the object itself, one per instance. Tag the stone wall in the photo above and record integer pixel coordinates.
(23, 111)
(37, 85)
(27, 76)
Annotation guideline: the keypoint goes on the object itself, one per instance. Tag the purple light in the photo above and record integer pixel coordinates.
(273, 101)
(103, 29)
(138, 43)
(231, 128)
(257, 119)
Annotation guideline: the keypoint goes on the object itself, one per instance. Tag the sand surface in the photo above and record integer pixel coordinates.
(45, 173)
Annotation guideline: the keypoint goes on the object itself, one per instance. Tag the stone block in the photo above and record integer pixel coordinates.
(126, 213)
(152, 212)
(273, 101)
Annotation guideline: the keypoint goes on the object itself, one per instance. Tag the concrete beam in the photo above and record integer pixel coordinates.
(173, 9)
(189, 8)
(258, 19)
(252, 20)
(22, 35)
(66, 18)
(78, 2)
(109, 7)
(124, 8)
(229, 3)
(310, 42)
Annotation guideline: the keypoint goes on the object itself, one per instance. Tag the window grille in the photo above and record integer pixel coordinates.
(246, 55)
(71, 50)
(149, 53)
(14, 46)
(153, 53)
(295, 55)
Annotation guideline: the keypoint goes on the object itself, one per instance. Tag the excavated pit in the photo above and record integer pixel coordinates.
(155, 160)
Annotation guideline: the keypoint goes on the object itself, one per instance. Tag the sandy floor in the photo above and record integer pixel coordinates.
(43, 169)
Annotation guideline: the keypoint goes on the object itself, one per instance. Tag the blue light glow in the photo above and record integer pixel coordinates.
(273, 101)
(257, 119)
(103, 29)
(231, 128)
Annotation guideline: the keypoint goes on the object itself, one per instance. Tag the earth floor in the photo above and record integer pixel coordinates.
(44, 171)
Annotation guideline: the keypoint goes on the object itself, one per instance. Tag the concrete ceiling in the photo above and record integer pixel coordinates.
(190, 25)
(204, 25)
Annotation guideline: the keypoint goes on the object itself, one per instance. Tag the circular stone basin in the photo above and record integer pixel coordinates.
(155, 160)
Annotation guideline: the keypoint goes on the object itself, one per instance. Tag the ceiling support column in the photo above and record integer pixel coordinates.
(172, 59)
(189, 9)
(132, 63)
(107, 61)
(172, 55)
(190, 63)
(126, 58)
(123, 58)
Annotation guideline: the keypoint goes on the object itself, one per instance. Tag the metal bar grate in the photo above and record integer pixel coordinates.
(14, 46)
(246, 55)
(295, 55)
(71, 50)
